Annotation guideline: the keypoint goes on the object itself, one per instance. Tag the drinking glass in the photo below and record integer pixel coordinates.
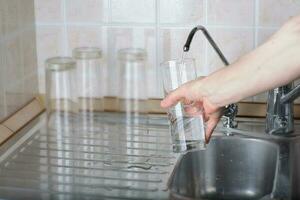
(186, 120)
(133, 84)
(61, 93)
(90, 87)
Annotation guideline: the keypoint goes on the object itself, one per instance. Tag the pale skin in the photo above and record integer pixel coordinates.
(273, 64)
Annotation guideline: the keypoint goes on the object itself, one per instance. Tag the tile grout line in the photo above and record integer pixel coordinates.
(256, 22)
(109, 11)
(65, 30)
(255, 31)
(206, 45)
(157, 49)
(151, 25)
(108, 41)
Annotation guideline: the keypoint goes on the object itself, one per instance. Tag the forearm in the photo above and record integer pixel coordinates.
(275, 63)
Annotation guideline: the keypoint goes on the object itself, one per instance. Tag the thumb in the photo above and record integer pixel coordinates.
(173, 98)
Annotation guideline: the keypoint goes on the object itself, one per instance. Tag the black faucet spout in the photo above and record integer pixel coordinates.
(187, 45)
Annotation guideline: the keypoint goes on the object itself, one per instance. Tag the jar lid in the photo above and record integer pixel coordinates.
(132, 54)
(87, 53)
(60, 63)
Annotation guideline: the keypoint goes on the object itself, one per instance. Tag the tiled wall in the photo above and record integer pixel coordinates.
(18, 60)
(160, 26)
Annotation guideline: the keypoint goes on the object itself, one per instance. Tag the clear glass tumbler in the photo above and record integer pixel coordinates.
(61, 93)
(186, 120)
(133, 85)
(90, 86)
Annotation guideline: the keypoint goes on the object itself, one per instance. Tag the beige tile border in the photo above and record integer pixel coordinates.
(246, 109)
(34, 108)
(5, 134)
(20, 118)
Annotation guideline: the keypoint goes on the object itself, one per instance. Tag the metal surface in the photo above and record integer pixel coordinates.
(280, 116)
(113, 161)
(106, 163)
(295, 169)
(230, 168)
(249, 164)
(232, 109)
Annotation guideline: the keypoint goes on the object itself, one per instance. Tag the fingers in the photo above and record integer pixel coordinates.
(210, 126)
(212, 123)
(173, 98)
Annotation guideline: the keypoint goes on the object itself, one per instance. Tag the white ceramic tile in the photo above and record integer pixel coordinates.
(31, 87)
(131, 38)
(261, 97)
(87, 11)
(14, 67)
(28, 39)
(171, 47)
(263, 34)
(182, 12)
(16, 44)
(14, 97)
(231, 12)
(27, 13)
(276, 12)
(83, 36)
(2, 112)
(138, 11)
(232, 42)
(49, 11)
(2, 83)
(11, 17)
(49, 44)
(2, 20)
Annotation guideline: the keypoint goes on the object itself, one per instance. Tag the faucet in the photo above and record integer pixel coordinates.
(280, 115)
(280, 122)
(232, 109)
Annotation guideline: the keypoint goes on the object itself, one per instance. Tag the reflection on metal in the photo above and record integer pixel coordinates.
(280, 113)
(93, 163)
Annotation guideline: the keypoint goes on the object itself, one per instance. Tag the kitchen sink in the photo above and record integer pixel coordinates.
(111, 162)
(230, 168)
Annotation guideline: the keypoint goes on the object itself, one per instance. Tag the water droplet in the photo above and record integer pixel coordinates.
(144, 167)
(107, 163)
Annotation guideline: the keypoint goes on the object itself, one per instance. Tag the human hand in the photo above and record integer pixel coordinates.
(194, 92)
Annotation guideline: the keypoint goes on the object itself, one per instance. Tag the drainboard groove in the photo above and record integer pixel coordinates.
(69, 147)
(62, 195)
(28, 164)
(29, 173)
(71, 140)
(45, 151)
(88, 161)
(73, 183)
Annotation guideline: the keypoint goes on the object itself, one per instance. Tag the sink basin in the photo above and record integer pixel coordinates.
(230, 168)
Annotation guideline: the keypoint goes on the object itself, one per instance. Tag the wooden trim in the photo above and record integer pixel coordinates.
(12, 124)
(5, 133)
(246, 109)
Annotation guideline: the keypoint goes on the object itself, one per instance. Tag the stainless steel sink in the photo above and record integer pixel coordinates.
(295, 169)
(231, 168)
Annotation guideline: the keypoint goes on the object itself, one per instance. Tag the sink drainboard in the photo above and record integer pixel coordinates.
(105, 163)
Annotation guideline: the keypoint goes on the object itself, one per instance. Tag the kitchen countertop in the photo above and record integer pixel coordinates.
(107, 160)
